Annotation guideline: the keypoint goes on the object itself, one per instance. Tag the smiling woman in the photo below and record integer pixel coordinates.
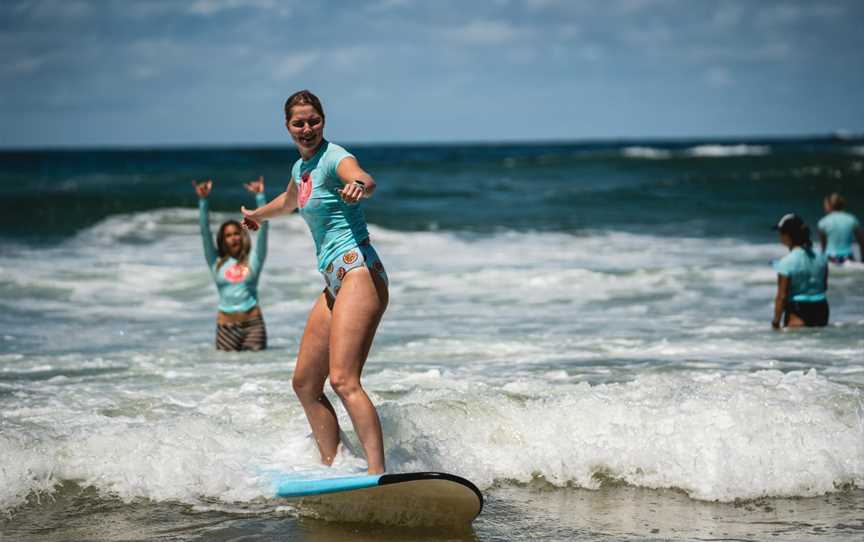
(235, 266)
(326, 185)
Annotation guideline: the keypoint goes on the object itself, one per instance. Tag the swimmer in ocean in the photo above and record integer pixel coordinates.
(235, 265)
(802, 278)
(838, 229)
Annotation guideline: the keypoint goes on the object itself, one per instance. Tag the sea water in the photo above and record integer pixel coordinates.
(582, 330)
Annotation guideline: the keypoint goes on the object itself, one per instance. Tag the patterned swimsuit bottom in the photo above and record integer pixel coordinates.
(248, 335)
(358, 256)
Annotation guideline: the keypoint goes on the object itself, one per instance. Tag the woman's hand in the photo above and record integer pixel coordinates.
(250, 222)
(352, 192)
(256, 187)
(203, 188)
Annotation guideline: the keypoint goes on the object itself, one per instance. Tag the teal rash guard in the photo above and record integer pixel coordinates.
(839, 228)
(237, 285)
(806, 271)
(336, 226)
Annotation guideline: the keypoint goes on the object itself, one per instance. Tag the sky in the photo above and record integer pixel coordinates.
(201, 72)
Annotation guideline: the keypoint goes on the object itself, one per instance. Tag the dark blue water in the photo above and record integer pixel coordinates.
(700, 188)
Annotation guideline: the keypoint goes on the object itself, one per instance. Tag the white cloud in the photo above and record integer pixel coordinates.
(389, 5)
(719, 77)
(294, 64)
(338, 59)
(144, 72)
(739, 53)
(542, 4)
(160, 49)
(71, 9)
(348, 58)
(210, 7)
(589, 53)
(728, 15)
(785, 14)
(637, 6)
(654, 35)
(487, 32)
(522, 55)
(569, 31)
(26, 66)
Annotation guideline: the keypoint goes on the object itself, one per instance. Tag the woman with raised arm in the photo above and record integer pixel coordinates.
(326, 185)
(235, 266)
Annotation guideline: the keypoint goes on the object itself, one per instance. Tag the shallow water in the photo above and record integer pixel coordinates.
(602, 382)
(614, 512)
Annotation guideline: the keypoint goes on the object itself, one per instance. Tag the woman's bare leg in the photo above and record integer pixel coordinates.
(311, 371)
(357, 311)
(795, 321)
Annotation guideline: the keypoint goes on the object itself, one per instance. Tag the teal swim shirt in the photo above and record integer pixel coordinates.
(336, 226)
(237, 284)
(839, 228)
(806, 270)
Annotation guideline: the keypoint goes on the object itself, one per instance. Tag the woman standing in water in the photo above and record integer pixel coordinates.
(235, 266)
(327, 184)
(838, 229)
(802, 278)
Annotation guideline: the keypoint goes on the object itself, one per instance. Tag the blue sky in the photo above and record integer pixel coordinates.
(151, 72)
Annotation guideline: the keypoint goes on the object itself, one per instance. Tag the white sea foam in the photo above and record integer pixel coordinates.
(702, 151)
(504, 356)
(718, 151)
(717, 437)
(646, 152)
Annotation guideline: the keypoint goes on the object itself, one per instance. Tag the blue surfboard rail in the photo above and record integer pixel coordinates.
(296, 486)
(288, 486)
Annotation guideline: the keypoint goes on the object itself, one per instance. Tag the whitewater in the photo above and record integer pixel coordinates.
(573, 360)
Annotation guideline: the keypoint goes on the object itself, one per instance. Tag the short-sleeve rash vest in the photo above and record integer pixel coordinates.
(839, 228)
(336, 226)
(806, 271)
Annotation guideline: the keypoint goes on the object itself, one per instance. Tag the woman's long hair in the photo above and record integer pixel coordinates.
(801, 237)
(222, 248)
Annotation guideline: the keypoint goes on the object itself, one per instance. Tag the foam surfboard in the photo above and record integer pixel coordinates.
(417, 499)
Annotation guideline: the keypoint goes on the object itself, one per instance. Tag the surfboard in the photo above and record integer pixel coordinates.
(417, 499)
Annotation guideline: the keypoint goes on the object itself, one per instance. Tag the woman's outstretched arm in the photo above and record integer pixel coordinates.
(282, 204)
(358, 183)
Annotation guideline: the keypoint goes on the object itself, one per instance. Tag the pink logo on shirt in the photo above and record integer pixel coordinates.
(236, 273)
(305, 189)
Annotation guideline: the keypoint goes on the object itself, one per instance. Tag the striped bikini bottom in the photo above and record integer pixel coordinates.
(247, 335)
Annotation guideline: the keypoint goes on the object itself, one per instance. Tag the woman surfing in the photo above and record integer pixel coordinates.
(326, 185)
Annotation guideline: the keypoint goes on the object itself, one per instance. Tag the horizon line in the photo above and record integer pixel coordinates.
(837, 136)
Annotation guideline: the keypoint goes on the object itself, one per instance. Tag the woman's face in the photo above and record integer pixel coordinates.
(306, 127)
(786, 239)
(233, 238)
(826, 204)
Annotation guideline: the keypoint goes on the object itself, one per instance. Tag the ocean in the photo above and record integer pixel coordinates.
(582, 329)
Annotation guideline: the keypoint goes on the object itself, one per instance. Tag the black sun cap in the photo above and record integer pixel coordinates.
(788, 223)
